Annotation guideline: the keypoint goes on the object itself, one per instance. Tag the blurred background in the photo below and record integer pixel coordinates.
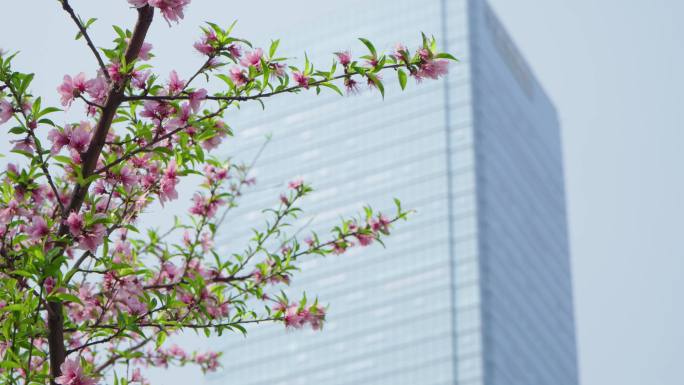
(610, 69)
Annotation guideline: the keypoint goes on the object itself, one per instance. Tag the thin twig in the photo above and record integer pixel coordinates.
(84, 32)
(249, 97)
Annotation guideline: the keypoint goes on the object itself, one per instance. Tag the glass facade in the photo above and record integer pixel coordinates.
(475, 288)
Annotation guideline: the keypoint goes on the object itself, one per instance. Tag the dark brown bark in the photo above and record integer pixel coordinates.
(114, 98)
(56, 339)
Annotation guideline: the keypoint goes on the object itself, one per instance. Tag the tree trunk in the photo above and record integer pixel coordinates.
(114, 98)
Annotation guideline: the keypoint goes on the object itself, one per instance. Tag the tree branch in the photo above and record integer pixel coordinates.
(149, 146)
(84, 32)
(250, 97)
(115, 357)
(39, 148)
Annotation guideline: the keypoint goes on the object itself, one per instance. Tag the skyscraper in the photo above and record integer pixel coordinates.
(475, 288)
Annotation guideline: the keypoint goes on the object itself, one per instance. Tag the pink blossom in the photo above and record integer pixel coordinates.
(92, 238)
(316, 316)
(309, 242)
(196, 97)
(215, 141)
(373, 61)
(238, 76)
(171, 9)
(6, 111)
(344, 57)
(204, 206)
(208, 361)
(136, 376)
(301, 79)
(258, 276)
(215, 173)
(351, 85)
(59, 139)
(176, 85)
(295, 184)
(128, 295)
(27, 144)
(185, 297)
(156, 110)
(432, 69)
(71, 88)
(122, 252)
(12, 168)
(213, 63)
(252, 59)
(128, 178)
(38, 228)
(381, 223)
(168, 271)
(423, 53)
(207, 242)
(139, 78)
(49, 284)
(339, 247)
(97, 89)
(364, 239)
(79, 137)
(277, 69)
(399, 51)
(72, 374)
(181, 120)
(167, 186)
(293, 317)
(76, 138)
(114, 71)
(235, 50)
(10, 211)
(178, 352)
(75, 223)
(203, 47)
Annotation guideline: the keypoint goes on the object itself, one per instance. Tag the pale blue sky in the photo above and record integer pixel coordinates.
(613, 69)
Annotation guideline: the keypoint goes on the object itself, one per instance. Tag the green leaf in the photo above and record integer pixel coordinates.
(119, 32)
(65, 297)
(377, 82)
(217, 29)
(85, 26)
(12, 307)
(231, 28)
(161, 337)
(17, 130)
(370, 46)
(25, 83)
(227, 80)
(274, 47)
(62, 159)
(47, 110)
(402, 78)
(332, 87)
(444, 55)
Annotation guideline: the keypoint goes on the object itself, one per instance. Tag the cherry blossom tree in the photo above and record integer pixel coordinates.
(87, 293)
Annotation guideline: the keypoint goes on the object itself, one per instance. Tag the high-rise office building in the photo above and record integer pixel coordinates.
(475, 288)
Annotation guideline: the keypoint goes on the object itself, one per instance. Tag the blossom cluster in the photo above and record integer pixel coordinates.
(82, 281)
